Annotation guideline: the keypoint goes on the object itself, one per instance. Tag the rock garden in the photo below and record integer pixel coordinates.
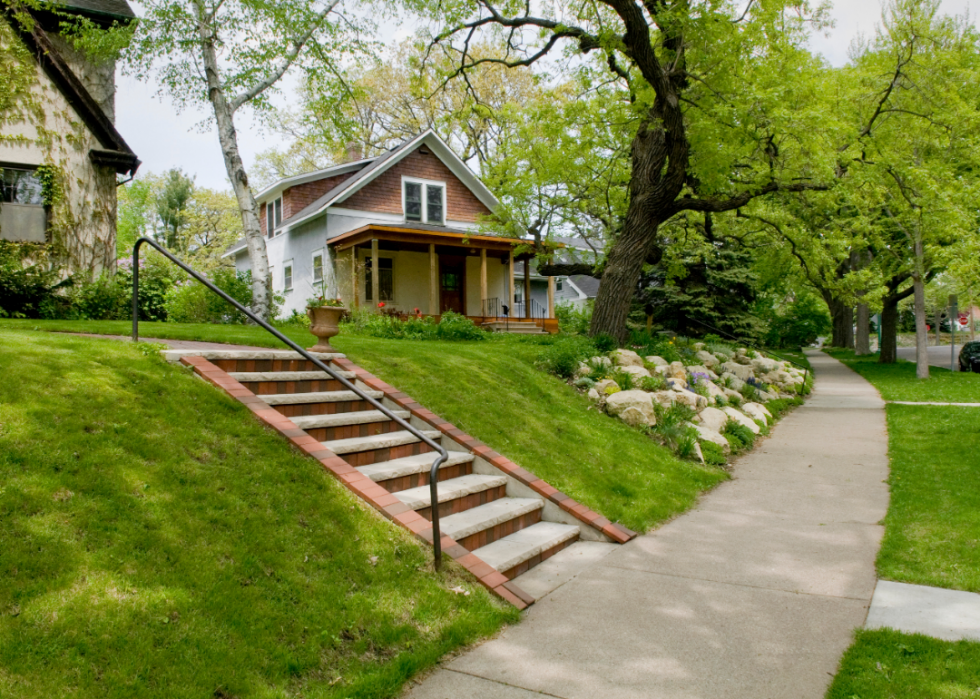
(708, 407)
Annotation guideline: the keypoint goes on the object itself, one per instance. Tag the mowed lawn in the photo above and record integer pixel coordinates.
(932, 532)
(156, 541)
(495, 391)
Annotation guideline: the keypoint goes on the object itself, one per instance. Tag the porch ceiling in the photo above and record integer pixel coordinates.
(419, 239)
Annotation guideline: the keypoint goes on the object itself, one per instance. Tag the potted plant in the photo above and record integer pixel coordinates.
(324, 314)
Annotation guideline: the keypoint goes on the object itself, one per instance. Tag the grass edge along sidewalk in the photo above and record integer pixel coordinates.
(932, 533)
(158, 542)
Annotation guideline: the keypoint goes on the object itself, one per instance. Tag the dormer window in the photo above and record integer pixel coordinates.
(424, 201)
(273, 216)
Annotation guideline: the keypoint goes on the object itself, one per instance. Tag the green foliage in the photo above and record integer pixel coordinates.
(738, 435)
(647, 345)
(653, 383)
(452, 326)
(573, 319)
(673, 428)
(799, 324)
(713, 454)
(584, 382)
(605, 343)
(28, 281)
(623, 379)
(562, 358)
(189, 301)
(171, 205)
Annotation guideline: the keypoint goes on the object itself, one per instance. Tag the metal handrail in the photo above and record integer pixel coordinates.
(806, 369)
(443, 454)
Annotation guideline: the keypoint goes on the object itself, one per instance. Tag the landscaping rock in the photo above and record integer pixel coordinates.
(639, 402)
(662, 370)
(701, 369)
(714, 391)
(637, 372)
(583, 370)
(708, 359)
(625, 358)
(713, 419)
(742, 419)
(690, 399)
(756, 412)
(659, 361)
(733, 382)
(698, 454)
(607, 387)
(741, 371)
(665, 398)
(678, 370)
(709, 435)
(732, 394)
(677, 383)
(764, 366)
(595, 396)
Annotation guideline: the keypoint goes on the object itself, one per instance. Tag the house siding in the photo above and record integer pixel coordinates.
(384, 194)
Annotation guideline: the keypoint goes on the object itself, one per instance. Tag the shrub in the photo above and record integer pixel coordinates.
(699, 383)
(713, 454)
(604, 342)
(453, 326)
(574, 319)
(653, 383)
(672, 426)
(623, 379)
(738, 435)
(189, 301)
(799, 324)
(28, 281)
(659, 345)
(584, 382)
(562, 358)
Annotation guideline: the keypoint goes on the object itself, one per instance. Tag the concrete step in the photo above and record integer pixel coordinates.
(378, 441)
(475, 520)
(253, 376)
(515, 327)
(549, 575)
(410, 465)
(322, 397)
(524, 545)
(418, 498)
(360, 417)
(217, 355)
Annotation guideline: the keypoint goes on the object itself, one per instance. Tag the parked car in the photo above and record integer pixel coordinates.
(970, 357)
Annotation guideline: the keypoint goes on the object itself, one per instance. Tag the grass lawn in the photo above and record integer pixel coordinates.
(156, 541)
(493, 390)
(898, 382)
(885, 664)
(932, 532)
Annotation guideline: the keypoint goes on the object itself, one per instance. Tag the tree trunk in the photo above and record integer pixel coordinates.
(838, 321)
(921, 334)
(848, 329)
(888, 352)
(227, 136)
(862, 340)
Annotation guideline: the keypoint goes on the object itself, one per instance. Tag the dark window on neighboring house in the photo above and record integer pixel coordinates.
(413, 201)
(22, 215)
(386, 279)
(273, 216)
(558, 283)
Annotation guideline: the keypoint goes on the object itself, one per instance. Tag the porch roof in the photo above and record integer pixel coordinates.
(423, 234)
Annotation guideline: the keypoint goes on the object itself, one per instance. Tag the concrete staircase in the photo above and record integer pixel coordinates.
(518, 327)
(497, 519)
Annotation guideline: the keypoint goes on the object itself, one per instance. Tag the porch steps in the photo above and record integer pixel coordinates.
(515, 327)
(501, 523)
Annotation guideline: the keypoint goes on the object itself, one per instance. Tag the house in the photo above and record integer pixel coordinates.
(400, 229)
(60, 153)
(577, 290)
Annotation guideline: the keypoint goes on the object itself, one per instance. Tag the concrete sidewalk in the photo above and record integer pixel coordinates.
(755, 593)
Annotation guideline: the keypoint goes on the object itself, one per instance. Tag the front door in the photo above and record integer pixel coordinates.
(452, 282)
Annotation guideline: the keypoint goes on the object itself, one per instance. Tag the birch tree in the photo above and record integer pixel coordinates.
(231, 55)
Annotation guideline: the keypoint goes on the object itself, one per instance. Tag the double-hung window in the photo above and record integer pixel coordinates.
(425, 201)
(318, 268)
(22, 215)
(287, 276)
(273, 216)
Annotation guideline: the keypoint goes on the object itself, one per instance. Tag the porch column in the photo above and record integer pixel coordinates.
(355, 300)
(527, 288)
(510, 285)
(483, 282)
(375, 277)
(551, 297)
(433, 281)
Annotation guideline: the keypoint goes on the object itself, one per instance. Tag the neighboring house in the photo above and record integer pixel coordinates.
(60, 153)
(577, 289)
(411, 215)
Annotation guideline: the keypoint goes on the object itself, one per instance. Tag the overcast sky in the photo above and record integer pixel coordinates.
(164, 139)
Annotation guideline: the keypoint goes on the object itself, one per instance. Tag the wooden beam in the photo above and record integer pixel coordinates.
(551, 297)
(375, 277)
(483, 281)
(510, 285)
(527, 287)
(458, 240)
(433, 281)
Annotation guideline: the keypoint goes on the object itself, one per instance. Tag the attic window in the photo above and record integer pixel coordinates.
(425, 201)
(273, 216)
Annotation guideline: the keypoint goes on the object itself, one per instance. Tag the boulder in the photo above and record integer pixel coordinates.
(595, 396)
(741, 371)
(713, 419)
(698, 454)
(714, 391)
(637, 372)
(708, 435)
(690, 399)
(664, 398)
(742, 419)
(706, 358)
(677, 384)
(732, 394)
(732, 381)
(607, 387)
(658, 361)
(639, 402)
(757, 412)
(698, 346)
(764, 366)
(678, 370)
(623, 357)
(583, 370)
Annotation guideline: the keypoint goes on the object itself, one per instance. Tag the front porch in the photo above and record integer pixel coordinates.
(432, 270)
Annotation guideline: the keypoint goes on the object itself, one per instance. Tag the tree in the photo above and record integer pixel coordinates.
(714, 124)
(171, 204)
(231, 54)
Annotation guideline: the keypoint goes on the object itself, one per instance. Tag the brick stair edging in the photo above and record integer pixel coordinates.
(362, 486)
(614, 531)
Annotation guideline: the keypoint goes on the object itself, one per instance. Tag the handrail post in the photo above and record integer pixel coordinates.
(442, 456)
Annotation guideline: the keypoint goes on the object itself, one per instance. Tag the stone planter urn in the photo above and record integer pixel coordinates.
(324, 322)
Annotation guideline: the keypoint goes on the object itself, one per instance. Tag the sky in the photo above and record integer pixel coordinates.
(164, 139)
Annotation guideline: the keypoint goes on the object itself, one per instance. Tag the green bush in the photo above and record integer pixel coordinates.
(28, 281)
(574, 319)
(799, 324)
(389, 326)
(738, 435)
(713, 454)
(623, 379)
(647, 345)
(673, 426)
(604, 342)
(189, 301)
(562, 357)
(453, 326)
(653, 383)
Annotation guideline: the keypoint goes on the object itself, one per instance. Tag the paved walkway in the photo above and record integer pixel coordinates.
(755, 593)
(953, 615)
(174, 344)
(938, 355)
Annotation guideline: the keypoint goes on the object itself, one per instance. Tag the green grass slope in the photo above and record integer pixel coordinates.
(156, 541)
(897, 381)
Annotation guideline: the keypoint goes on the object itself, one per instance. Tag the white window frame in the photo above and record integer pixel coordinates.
(322, 255)
(425, 199)
(270, 217)
(288, 264)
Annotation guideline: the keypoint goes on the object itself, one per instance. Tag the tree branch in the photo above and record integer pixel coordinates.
(740, 200)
